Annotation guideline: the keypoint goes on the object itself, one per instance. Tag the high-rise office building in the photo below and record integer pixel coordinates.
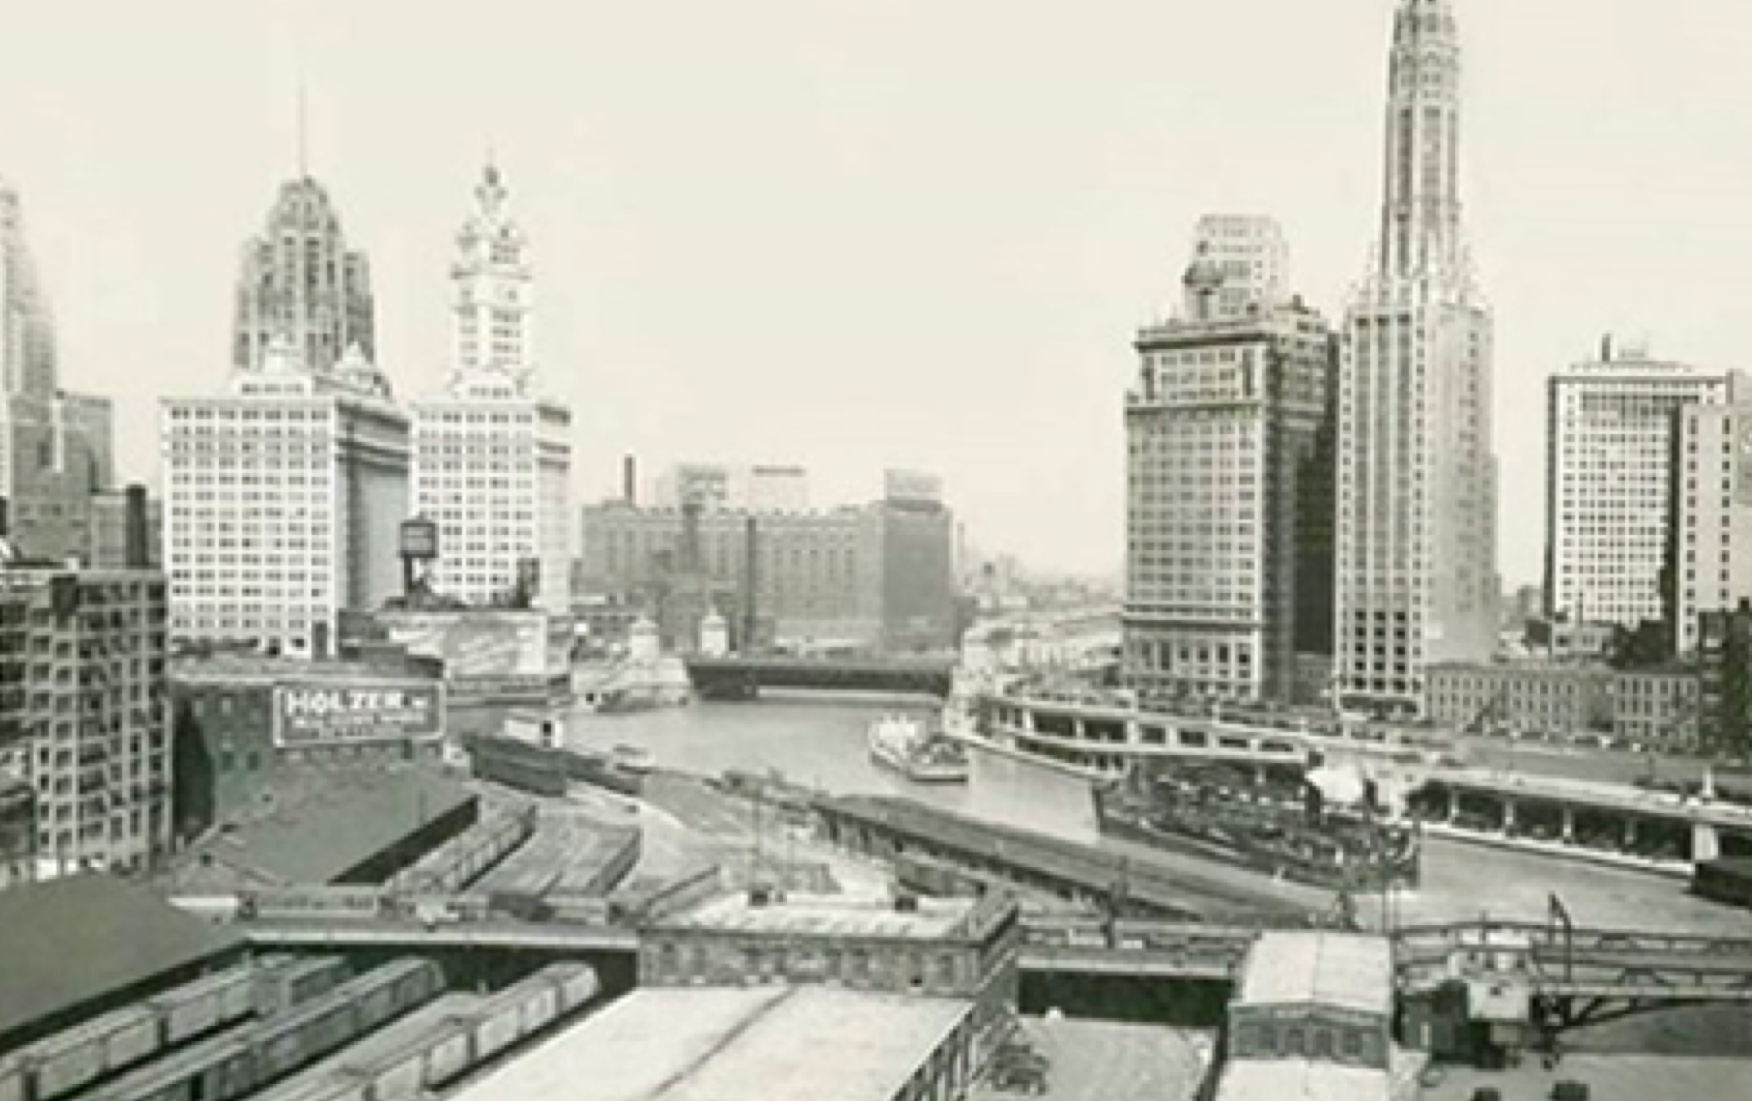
(1229, 567)
(1416, 534)
(493, 459)
(83, 716)
(1251, 255)
(1709, 543)
(283, 503)
(54, 445)
(299, 282)
(1610, 426)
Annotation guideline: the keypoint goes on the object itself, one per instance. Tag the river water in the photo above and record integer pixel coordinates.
(819, 741)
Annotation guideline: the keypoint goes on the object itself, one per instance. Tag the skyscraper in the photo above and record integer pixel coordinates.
(493, 459)
(283, 498)
(1416, 576)
(1250, 254)
(1225, 466)
(1611, 428)
(54, 445)
(298, 280)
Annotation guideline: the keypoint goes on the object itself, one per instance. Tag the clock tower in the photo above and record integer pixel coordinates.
(491, 292)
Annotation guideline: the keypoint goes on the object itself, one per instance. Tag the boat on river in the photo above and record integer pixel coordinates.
(903, 744)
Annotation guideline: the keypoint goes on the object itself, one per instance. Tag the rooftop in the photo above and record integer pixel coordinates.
(1609, 1078)
(323, 822)
(1303, 1080)
(830, 915)
(1343, 970)
(777, 1044)
(1104, 1061)
(230, 668)
(121, 935)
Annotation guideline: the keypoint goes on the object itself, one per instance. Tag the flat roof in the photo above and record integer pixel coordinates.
(772, 1043)
(1609, 1078)
(324, 821)
(1105, 1061)
(828, 915)
(1302, 1080)
(66, 942)
(1344, 970)
(261, 668)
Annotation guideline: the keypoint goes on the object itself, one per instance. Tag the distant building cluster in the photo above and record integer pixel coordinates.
(1296, 490)
(880, 576)
(1312, 509)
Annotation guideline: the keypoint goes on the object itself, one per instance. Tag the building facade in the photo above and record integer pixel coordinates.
(83, 715)
(54, 445)
(877, 577)
(1709, 549)
(715, 486)
(1610, 426)
(1649, 707)
(126, 529)
(492, 460)
(1416, 574)
(241, 721)
(283, 503)
(1251, 255)
(298, 281)
(1228, 555)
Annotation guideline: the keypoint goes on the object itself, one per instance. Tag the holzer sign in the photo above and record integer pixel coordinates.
(324, 713)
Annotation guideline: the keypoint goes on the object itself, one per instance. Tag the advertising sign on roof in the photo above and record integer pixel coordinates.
(317, 713)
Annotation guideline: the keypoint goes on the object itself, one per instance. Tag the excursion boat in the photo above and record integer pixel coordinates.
(631, 758)
(902, 744)
(1275, 829)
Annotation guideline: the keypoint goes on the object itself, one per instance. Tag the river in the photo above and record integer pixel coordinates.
(819, 741)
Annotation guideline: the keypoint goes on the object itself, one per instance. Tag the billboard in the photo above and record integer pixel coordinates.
(319, 713)
(912, 487)
(484, 643)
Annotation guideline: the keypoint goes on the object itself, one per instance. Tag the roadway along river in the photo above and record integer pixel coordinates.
(819, 741)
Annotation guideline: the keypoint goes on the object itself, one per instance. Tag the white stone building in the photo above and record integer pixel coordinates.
(1416, 575)
(492, 458)
(1229, 491)
(1608, 471)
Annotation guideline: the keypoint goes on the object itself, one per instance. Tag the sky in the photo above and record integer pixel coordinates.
(856, 234)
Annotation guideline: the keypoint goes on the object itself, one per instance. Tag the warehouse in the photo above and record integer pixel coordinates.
(128, 943)
(777, 1044)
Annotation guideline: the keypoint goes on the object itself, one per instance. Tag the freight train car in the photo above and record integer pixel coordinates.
(286, 981)
(228, 1067)
(525, 768)
(460, 861)
(441, 1055)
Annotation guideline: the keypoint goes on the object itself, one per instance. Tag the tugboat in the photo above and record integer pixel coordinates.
(901, 743)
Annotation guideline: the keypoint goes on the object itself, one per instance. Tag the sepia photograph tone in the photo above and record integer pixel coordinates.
(875, 550)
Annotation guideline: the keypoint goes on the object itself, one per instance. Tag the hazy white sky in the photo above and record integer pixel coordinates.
(857, 233)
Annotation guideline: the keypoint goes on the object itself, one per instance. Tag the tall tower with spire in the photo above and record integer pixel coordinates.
(54, 445)
(1416, 575)
(492, 458)
(491, 296)
(299, 281)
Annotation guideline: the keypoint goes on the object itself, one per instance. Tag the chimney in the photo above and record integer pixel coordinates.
(1606, 348)
(136, 533)
(630, 480)
(750, 578)
(5, 518)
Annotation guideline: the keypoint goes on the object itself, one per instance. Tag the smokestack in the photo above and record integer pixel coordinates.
(630, 479)
(136, 533)
(750, 577)
(5, 518)
(690, 537)
(1606, 348)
